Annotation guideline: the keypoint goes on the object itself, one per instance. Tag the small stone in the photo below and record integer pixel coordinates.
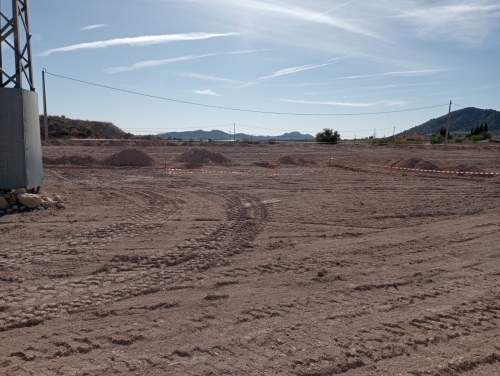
(39, 207)
(4, 205)
(15, 207)
(30, 200)
(58, 198)
(61, 205)
(48, 204)
(13, 199)
(20, 191)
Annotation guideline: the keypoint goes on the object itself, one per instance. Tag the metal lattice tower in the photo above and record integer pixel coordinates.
(20, 146)
(15, 34)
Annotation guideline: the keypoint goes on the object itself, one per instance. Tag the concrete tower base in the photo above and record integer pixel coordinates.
(20, 144)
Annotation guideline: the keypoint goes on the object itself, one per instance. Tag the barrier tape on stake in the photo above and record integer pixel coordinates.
(428, 171)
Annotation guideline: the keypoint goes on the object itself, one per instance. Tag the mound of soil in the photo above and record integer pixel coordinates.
(74, 160)
(264, 165)
(465, 168)
(304, 162)
(129, 157)
(193, 166)
(415, 163)
(202, 155)
(286, 160)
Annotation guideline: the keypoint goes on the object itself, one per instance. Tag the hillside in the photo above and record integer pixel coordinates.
(62, 127)
(461, 122)
(217, 135)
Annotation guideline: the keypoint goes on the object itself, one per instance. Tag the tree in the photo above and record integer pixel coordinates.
(328, 136)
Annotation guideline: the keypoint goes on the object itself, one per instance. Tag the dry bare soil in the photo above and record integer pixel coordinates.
(301, 270)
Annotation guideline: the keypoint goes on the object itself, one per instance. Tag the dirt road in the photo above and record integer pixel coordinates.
(300, 270)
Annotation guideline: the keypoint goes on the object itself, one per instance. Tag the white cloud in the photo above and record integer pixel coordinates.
(423, 72)
(136, 41)
(92, 27)
(387, 103)
(288, 10)
(465, 20)
(153, 63)
(156, 63)
(284, 72)
(329, 103)
(204, 77)
(207, 92)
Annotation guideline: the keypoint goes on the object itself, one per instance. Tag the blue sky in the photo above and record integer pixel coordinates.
(319, 56)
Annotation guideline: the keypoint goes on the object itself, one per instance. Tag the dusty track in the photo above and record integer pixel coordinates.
(346, 269)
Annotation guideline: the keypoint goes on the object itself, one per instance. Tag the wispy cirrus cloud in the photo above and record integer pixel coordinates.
(388, 103)
(292, 70)
(329, 103)
(207, 92)
(464, 20)
(92, 27)
(288, 10)
(204, 77)
(423, 72)
(156, 63)
(136, 41)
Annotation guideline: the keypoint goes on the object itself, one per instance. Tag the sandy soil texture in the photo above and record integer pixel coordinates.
(322, 267)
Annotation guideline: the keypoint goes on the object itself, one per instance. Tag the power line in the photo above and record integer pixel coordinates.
(174, 129)
(459, 105)
(238, 109)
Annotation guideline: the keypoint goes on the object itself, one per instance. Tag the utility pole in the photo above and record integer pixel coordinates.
(45, 120)
(448, 126)
(394, 135)
(234, 133)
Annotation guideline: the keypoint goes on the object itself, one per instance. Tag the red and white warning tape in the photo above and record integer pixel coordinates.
(175, 171)
(428, 171)
(172, 171)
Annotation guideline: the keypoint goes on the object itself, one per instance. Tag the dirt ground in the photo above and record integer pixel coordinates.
(300, 270)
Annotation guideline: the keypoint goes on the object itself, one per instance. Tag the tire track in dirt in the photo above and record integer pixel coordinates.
(141, 275)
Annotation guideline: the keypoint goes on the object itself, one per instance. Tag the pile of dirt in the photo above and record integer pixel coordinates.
(287, 160)
(129, 157)
(264, 165)
(465, 168)
(202, 155)
(74, 160)
(193, 166)
(415, 163)
(304, 162)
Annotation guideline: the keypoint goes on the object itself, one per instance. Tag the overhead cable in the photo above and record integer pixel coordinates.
(239, 109)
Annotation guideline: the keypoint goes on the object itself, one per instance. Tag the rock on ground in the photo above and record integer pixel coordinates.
(29, 200)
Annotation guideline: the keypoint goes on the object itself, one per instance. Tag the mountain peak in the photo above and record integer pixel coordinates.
(461, 122)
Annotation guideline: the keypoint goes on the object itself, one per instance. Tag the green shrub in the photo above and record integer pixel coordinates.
(458, 139)
(328, 136)
(476, 138)
(437, 139)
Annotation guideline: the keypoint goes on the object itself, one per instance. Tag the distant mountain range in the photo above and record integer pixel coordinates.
(461, 122)
(216, 135)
